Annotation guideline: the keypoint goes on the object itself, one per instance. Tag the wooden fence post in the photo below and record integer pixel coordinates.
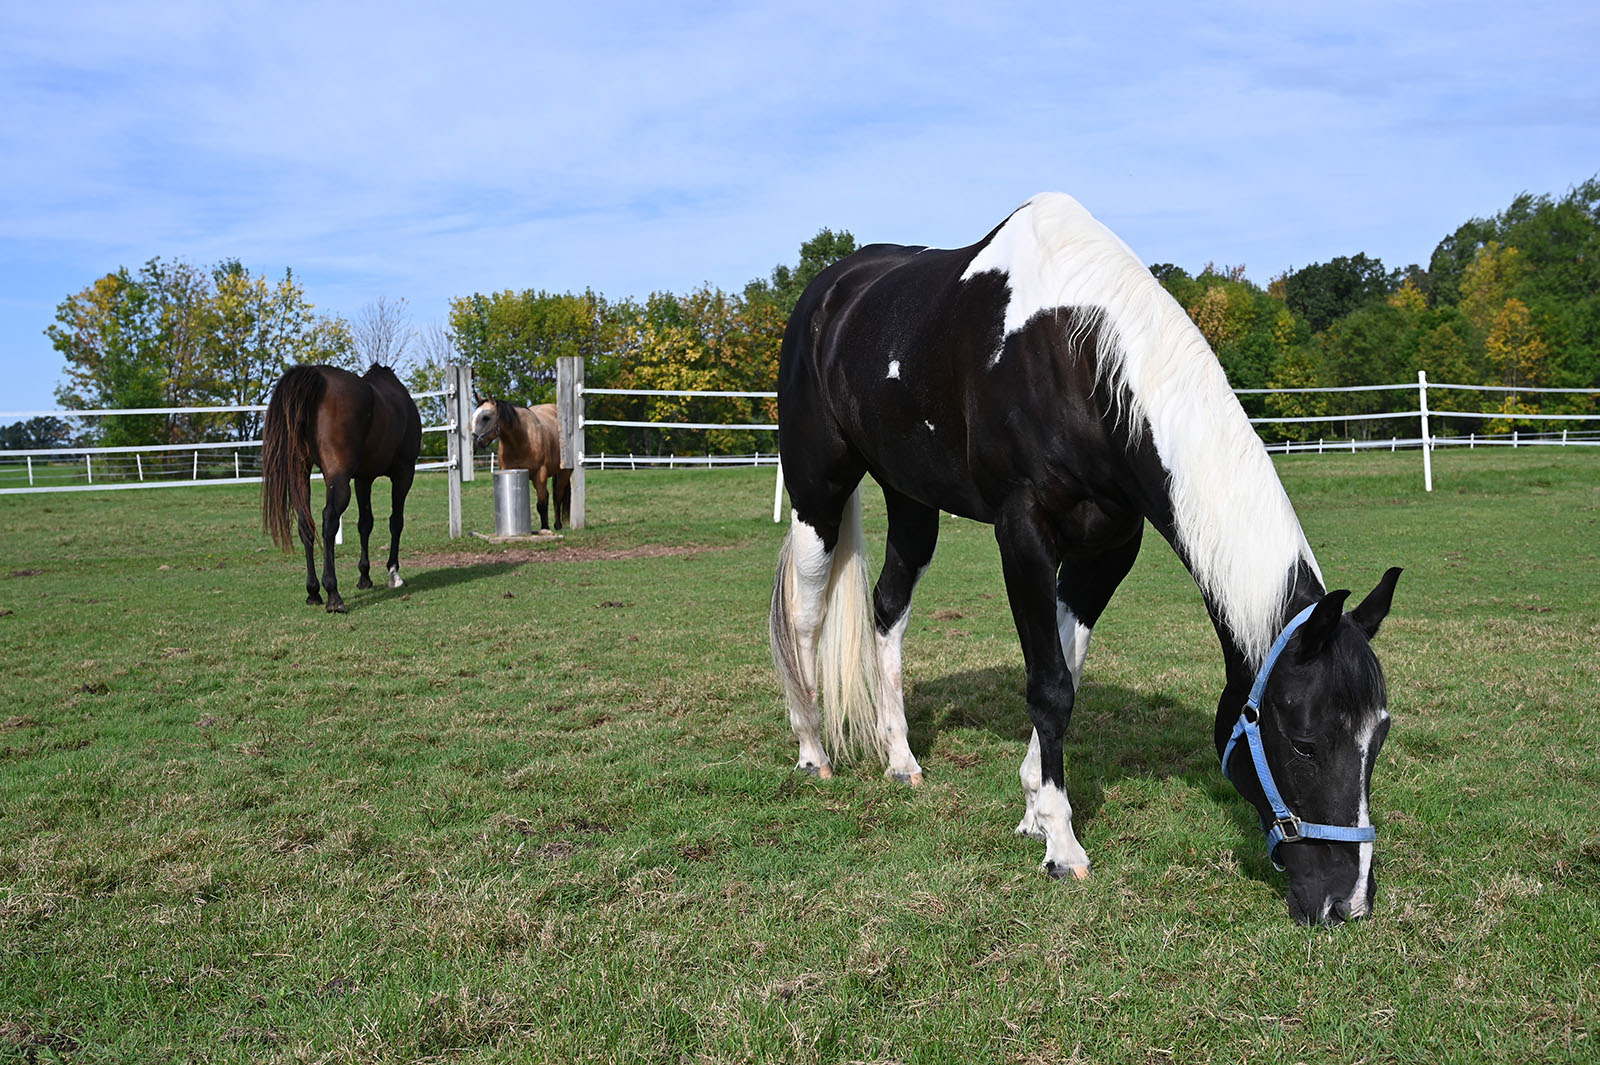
(465, 405)
(452, 443)
(569, 411)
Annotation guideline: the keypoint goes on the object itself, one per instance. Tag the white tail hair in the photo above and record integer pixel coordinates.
(846, 665)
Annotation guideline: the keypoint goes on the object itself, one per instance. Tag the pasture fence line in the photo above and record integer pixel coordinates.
(157, 465)
(571, 394)
(110, 467)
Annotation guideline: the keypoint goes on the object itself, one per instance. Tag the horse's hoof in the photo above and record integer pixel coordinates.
(914, 779)
(394, 579)
(364, 583)
(313, 600)
(1058, 871)
(821, 772)
(336, 606)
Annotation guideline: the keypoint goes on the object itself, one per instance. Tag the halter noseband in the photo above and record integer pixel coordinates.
(1287, 828)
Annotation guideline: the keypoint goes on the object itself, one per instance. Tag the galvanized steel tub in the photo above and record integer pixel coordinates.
(512, 514)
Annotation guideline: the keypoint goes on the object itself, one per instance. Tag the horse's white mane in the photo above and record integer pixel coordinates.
(1234, 521)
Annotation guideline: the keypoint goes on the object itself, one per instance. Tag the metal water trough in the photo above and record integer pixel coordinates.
(513, 515)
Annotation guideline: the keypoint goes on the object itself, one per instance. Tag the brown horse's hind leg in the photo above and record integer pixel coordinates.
(308, 536)
(363, 489)
(563, 497)
(542, 487)
(338, 499)
(400, 481)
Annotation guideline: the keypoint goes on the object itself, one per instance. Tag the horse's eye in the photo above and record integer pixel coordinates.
(1304, 748)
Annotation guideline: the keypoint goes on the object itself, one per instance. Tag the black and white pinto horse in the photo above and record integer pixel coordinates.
(1044, 382)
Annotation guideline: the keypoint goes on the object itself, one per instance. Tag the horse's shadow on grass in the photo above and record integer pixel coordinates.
(1116, 734)
(421, 581)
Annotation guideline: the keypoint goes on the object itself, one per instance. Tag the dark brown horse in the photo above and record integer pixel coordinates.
(355, 429)
(530, 439)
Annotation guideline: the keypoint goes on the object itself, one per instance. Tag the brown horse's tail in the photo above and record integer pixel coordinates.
(286, 456)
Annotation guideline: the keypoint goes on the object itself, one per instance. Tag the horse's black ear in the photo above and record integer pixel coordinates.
(1319, 628)
(1375, 607)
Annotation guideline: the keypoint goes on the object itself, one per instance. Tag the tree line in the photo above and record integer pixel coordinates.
(1510, 301)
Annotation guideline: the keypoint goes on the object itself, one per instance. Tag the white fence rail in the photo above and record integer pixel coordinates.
(570, 408)
(110, 468)
(238, 462)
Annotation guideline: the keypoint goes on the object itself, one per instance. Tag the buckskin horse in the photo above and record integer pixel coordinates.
(530, 439)
(354, 429)
(1042, 381)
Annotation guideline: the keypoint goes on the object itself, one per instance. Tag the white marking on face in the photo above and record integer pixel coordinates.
(481, 419)
(894, 369)
(1358, 900)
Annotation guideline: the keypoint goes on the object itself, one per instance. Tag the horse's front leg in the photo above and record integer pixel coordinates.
(363, 489)
(338, 498)
(1083, 588)
(1029, 560)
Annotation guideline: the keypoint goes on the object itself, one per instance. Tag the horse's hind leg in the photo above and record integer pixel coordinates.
(363, 487)
(542, 488)
(400, 480)
(333, 508)
(308, 536)
(913, 533)
(563, 498)
(799, 608)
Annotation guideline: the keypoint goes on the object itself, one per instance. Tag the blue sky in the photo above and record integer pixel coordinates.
(424, 151)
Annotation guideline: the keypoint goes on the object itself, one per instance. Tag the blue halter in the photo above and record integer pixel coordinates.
(1288, 828)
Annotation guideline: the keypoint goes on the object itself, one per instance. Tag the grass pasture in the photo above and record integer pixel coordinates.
(539, 807)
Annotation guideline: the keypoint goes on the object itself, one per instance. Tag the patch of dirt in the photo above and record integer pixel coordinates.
(517, 556)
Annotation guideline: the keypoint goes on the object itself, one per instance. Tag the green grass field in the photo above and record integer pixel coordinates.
(540, 808)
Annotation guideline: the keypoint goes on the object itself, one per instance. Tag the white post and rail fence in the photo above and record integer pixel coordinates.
(238, 462)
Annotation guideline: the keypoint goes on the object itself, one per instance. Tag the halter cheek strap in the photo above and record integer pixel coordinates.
(1287, 828)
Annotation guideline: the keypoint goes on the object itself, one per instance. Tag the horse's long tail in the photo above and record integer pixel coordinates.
(837, 621)
(286, 455)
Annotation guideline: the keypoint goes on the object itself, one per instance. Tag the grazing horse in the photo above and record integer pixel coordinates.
(1042, 381)
(355, 429)
(530, 439)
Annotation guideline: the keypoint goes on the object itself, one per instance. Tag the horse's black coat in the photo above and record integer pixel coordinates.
(897, 365)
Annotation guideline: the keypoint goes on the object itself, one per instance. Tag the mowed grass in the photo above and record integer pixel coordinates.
(543, 810)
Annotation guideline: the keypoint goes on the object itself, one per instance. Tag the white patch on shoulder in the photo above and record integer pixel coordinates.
(929, 424)
(894, 369)
(1234, 520)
